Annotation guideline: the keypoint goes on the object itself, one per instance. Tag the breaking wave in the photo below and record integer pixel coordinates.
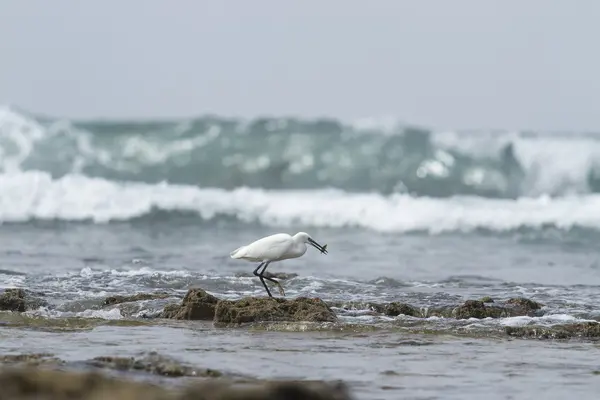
(287, 153)
(281, 172)
(34, 195)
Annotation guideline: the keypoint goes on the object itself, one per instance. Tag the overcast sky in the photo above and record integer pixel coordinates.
(445, 64)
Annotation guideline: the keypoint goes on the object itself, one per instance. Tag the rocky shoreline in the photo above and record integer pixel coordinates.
(197, 304)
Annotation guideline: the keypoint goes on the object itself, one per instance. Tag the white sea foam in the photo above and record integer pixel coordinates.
(545, 320)
(34, 194)
(112, 314)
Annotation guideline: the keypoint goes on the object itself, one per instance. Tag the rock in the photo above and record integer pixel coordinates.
(32, 359)
(484, 308)
(196, 305)
(305, 390)
(478, 309)
(199, 305)
(472, 309)
(394, 309)
(109, 301)
(152, 363)
(45, 384)
(258, 309)
(19, 300)
(588, 330)
(34, 383)
(524, 304)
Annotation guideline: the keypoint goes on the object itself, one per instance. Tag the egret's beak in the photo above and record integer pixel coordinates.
(322, 249)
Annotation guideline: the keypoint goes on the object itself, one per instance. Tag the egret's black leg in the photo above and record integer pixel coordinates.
(261, 275)
(257, 268)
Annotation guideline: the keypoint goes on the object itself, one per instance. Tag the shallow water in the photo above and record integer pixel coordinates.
(77, 265)
(377, 365)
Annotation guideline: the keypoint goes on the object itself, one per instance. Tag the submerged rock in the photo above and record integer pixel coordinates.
(257, 309)
(196, 305)
(19, 300)
(484, 308)
(587, 330)
(152, 363)
(44, 384)
(32, 359)
(112, 300)
(392, 309)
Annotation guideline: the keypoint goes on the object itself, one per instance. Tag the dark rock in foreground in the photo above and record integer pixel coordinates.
(112, 300)
(43, 384)
(270, 390)
(255, 309)
(587, 330)
(196, 305)
(33, 383)
(19, 300)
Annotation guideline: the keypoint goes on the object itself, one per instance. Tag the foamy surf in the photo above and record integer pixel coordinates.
(35, 195)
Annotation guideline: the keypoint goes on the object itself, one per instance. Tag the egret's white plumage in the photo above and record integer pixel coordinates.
(277, 247)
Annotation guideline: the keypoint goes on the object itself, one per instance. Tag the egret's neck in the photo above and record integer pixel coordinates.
(299, 247)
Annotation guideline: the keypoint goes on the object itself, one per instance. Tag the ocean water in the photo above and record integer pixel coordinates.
(90, 209)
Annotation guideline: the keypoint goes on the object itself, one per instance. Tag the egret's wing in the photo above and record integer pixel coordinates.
(270, 247)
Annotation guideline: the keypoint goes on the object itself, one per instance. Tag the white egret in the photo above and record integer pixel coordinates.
(280, 246)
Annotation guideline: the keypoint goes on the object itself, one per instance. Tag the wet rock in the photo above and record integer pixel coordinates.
(394, 309)
(19, 300)
(196, 305)
(152, 363)
(524, 304)
(484, 308)
(478, 309)
(112, 300)
(473, 309)
(587, 330)
(305, 390)
(32, 359)
(262, 309)
(44, 384)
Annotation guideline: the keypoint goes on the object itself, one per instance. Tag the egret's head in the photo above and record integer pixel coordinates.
(305, 238)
